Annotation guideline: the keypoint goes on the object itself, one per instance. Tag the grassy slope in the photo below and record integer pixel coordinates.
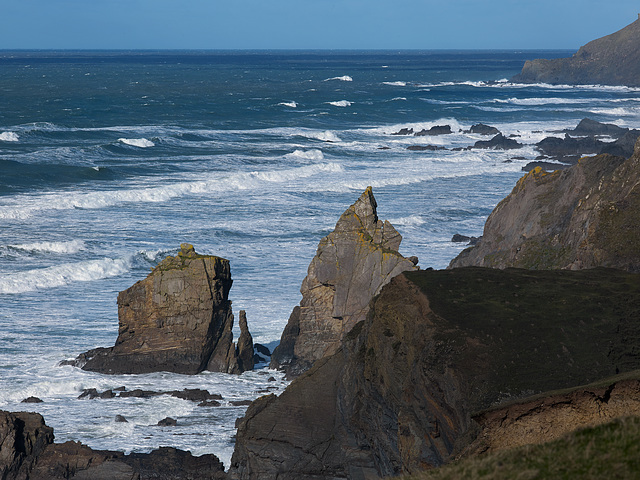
(607, 451)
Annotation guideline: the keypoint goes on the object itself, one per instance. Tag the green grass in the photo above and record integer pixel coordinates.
(609, 451)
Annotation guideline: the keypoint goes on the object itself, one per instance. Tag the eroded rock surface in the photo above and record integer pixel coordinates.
(178, 319)
(610, 60)
(582, 217)
(351, 265)
(436, 348)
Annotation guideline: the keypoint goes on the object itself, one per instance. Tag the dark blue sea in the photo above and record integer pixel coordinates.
(109, 160)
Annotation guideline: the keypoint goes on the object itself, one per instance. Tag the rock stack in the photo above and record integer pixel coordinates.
(178, 319)
(351, 265)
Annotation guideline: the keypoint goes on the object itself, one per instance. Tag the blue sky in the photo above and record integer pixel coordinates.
(306, 24)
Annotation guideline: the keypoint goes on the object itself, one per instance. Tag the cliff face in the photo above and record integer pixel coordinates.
(178, 319)
(581, 217)
(610, 60)
(351, 265)
(436, 348)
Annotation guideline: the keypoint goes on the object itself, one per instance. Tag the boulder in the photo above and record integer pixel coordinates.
(32, 400)
(589, 128)
(178, 319)
(482, 129)
(610, 60)
(499, 142)
(23, 438)
(435, 130)
(351, 265)
(439, 346)
(582, 217)
(168, 422)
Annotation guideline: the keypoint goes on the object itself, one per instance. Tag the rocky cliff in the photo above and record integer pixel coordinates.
(27, 452)
(436, 348)
(610, 60)
(581, 217)
(351, 265)
(178, 319)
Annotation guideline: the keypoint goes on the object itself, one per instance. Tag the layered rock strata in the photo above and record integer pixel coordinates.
(178, 319)
(351, 265)
(581, 217)
(28, 453)
(436, 348)
(610, 60)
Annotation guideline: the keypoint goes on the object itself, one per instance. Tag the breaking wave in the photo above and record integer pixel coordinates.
(344, 78)
(9, 137)
(73, 246)
(341, 103)
(137, 142)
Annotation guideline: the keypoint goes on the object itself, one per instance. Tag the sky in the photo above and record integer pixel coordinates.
(310, 24)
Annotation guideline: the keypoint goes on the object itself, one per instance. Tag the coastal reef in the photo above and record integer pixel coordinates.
(610, 60)
(437, 348)
(582, 217)
(350, 267)
(178, 319)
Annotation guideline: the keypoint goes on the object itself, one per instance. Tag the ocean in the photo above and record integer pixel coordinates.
(109, 160)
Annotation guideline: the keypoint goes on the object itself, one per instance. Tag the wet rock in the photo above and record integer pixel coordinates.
(168, 422)
(262, 350)
(499, 142)
(178, 319)
(138, 393)
(435, 130)
(404, 131)
(548, 166)
(194, 394)
(350, 267)
(209, 403)
(31, 400)
(482, 129)
(121, 419)
(422, 148)
(89, 393)
(240, 403)
(244, 350)
(589, 128)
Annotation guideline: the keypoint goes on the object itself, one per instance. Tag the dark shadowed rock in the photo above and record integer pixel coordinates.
(499, 142)
(178, 319)
(404, 131)
(436, 348)
(582, 217)
(482, 129)
(435, 130)
(423, 148)
(121, 419)
(262, 350)
(245, 349)
(32, 400)
(610, 60)
(351, 265)
(548, 166)
(589, 128)
(23, 438)
(168, 422)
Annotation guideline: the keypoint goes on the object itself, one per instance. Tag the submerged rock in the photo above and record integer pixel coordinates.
(350, 267)
(582, 217)
(178, 319)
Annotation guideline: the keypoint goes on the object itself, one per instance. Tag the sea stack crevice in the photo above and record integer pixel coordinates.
(178, 319)
(350, 267)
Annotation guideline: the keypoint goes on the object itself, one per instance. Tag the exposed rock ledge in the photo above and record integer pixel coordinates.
(178, 319)
(351, 265)
(581, 217)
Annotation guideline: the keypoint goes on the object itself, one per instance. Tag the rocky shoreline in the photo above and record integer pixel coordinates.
(397, 369)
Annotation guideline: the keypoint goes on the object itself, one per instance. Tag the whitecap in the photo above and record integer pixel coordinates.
(410, 221)
(60, 275)
(397, 99)
(72, 246)
(326, 136)
(316, 155)
(341, 103)
(137, 142)
(289, 104)
(396, 84)
(344, 78)
(9, 137)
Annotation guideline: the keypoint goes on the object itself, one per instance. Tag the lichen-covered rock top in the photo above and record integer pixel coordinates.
(582, 217)
(351, 265)
(178, 319)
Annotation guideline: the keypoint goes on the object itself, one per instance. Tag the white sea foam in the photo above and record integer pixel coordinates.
(9, 137)
(27, 206)
(70, 247)
(410, 221)
(544, 101)
(404, 99)
(137, 142)
(289, 104)
(341, 103)
(344, 78)
(315, 155)
(396, 84)
(59, 275)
